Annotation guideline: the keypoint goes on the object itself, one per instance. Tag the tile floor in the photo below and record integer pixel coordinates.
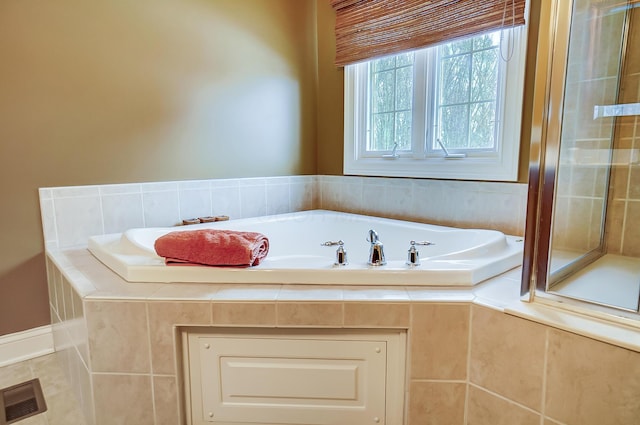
(62, 407)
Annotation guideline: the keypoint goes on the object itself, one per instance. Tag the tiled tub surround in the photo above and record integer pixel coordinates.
(70, 215)
(469, 362)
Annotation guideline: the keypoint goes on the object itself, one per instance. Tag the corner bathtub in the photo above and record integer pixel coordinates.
(461, 257)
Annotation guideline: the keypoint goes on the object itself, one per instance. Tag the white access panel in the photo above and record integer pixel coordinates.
(296, 378)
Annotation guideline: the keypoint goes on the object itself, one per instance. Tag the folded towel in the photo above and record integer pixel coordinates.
(213, 247)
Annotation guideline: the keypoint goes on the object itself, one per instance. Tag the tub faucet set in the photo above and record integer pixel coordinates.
(376, 251)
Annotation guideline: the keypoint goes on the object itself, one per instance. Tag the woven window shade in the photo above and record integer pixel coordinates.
(369, 28)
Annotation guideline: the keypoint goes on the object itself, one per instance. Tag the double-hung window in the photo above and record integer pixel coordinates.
(448, 111)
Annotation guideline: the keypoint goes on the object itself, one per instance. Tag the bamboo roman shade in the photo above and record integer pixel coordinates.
(370, 28)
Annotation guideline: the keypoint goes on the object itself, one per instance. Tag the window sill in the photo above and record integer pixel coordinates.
(468, 168)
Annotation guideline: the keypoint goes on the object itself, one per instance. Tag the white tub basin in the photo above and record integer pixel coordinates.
(457, 256)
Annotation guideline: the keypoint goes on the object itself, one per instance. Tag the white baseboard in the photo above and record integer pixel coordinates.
(25, 345)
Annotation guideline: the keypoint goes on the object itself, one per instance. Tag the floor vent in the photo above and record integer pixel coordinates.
(21, 401)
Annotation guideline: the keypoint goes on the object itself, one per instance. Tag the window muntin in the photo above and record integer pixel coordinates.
(468, 80)
(390, 103)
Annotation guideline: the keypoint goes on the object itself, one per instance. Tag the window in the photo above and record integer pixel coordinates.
(449, 111)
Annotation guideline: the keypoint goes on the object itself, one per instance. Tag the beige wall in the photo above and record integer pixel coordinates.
(130, 91)
(330, 97)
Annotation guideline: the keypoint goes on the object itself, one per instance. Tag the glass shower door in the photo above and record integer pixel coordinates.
(591, 170)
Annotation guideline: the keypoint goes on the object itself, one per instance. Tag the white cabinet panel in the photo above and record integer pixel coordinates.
(297, 378)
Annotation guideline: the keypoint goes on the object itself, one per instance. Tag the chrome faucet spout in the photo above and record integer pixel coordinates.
(376, 252)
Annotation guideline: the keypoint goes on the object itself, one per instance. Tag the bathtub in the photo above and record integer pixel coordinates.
(457, 257)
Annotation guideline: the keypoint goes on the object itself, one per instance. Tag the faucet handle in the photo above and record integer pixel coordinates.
(332, 243)
(413, 256)
(341, 254)
(423, 243)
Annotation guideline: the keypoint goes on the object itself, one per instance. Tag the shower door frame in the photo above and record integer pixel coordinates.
(548, 108)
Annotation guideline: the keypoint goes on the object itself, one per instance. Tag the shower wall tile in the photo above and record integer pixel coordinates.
(623, 213)
(631, 238)
(615, 225)
(634, 180)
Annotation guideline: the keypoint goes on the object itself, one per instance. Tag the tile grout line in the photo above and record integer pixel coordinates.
(468, 380)
(151, 380)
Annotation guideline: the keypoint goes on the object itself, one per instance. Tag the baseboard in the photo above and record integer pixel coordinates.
(25, 345)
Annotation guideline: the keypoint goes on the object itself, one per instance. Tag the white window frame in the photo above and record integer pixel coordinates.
(498, 165)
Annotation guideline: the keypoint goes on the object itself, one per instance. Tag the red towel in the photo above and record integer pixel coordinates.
(213, 247)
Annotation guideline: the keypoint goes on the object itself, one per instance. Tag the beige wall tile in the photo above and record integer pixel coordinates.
(309, 314)
(590, 382)
(68, 299)
(390, 315)
(165, 394)
(123, 399)
(487, 409)
(615, 226)
(59, 294)
(507, 355)
(436, 403)
(118, 336)
(631, 244)
(163, 318)
(439, 341)
(244, 314)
